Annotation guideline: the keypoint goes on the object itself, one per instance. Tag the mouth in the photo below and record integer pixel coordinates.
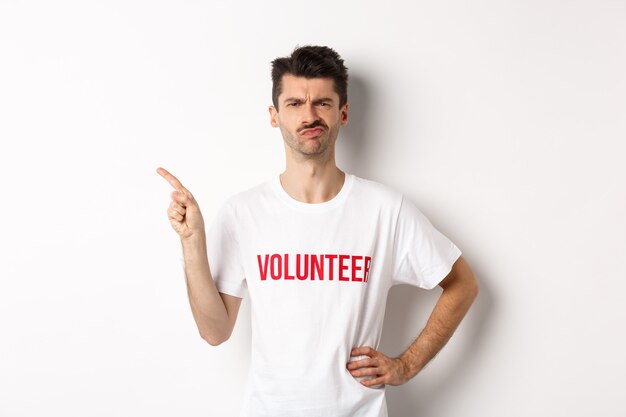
(312, 132)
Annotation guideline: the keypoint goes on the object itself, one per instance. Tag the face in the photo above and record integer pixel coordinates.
(308, 115)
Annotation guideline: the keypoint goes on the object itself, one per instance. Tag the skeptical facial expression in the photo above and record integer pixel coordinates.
(308, 115)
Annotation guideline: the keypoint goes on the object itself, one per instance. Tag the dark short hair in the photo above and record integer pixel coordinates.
(311, 62)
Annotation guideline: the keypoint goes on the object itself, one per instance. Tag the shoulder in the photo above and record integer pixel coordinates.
(377, 191)
(249, 196)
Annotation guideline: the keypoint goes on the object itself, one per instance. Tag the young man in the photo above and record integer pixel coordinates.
(317, 249)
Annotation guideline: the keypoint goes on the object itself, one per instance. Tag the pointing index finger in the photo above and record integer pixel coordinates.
(171, 179)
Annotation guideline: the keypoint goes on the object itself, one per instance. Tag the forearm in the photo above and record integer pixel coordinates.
(450, 309)
(207, 306)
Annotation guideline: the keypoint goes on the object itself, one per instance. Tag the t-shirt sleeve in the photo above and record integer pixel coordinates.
(423, 256)
(224, 255)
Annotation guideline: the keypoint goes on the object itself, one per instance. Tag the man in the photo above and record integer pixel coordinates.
(317, 249)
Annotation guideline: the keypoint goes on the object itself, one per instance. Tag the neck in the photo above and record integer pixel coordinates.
(312, 181)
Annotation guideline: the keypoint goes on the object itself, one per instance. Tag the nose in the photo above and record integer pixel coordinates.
(309, 113)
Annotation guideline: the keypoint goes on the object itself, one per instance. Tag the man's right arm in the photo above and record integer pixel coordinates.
(215, 313)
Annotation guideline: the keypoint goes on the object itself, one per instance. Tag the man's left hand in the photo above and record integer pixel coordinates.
(382, 368)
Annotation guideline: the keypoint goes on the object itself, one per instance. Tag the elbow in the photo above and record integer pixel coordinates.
(473, 288)
(470, 283)
(212, 339)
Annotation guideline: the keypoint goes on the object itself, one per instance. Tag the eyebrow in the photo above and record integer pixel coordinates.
(300, 100)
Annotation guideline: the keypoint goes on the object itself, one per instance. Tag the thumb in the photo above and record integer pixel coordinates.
(180, 198)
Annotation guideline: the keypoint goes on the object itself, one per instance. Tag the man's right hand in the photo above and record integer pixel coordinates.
(183, 212)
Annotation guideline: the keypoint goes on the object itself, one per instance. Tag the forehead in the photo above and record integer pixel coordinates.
(293, 86)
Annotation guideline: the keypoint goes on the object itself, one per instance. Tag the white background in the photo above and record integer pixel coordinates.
(504, 121)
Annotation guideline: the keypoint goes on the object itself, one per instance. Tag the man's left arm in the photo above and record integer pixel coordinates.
(460, 288)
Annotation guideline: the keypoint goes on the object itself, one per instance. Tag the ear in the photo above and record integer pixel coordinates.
(273, 116)
(344, 114)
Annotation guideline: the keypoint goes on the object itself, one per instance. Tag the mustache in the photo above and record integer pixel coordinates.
(313, 125)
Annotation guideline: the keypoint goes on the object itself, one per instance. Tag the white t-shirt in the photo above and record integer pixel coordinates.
(317, 277)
